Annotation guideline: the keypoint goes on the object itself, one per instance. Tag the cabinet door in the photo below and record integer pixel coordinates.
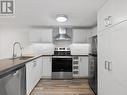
(116, 51)
(30, 78)
(47, 67)
(80, 36)
(33, 74)
(38, 69)
(40, 36)
(39, 61)
(83, 67)
(119, 59)
(46, 36)
(104, 79)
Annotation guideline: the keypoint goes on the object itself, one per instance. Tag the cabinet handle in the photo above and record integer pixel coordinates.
(16, 73)
(106, 65)
(110, 20)
(80, 59)
(106, 22)
(109, 66)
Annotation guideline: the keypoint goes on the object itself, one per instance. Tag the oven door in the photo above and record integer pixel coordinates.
(62, 68)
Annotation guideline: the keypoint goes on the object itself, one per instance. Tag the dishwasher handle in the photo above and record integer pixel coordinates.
(15, 73)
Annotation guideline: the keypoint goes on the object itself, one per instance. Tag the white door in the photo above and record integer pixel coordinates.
(47, 67)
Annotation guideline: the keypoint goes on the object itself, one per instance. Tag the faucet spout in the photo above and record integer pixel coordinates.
(17, 43)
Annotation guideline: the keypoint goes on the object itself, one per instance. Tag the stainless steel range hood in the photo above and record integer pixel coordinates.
(62, 34)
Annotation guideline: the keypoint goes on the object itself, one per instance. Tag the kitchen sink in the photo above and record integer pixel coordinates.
(24, 57)
(21, 58)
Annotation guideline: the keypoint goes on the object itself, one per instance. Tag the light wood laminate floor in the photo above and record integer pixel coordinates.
(63, 87)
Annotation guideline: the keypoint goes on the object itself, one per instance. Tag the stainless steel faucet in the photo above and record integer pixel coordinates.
(17, 43)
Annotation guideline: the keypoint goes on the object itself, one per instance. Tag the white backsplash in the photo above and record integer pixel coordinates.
(39, 48)
(48, 49)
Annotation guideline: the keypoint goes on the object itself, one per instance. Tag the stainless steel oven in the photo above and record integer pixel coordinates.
(62, 63)
(62, 67)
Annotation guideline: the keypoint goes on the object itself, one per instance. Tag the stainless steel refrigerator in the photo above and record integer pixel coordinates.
(93, 64)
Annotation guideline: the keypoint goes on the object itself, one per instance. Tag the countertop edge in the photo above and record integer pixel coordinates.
(6, 70)
(79, 55)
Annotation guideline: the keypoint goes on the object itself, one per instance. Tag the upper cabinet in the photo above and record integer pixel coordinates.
(80, 36)
(41, 36)
(111, 13)
(48, 35)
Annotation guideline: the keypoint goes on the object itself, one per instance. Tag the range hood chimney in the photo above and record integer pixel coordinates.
(62, 34)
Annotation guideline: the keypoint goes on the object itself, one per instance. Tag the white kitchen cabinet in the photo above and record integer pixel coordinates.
(41, 36)
(33, 74)
(39, 68)
(80, 66)
(113, 12)
(29, 77)
(112, 79)
(47, 67)
(83, 66)
(80, 36)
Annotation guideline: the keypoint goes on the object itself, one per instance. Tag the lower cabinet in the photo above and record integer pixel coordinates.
(83, 67)
(80, 67)
(47, 67)
(33, 74)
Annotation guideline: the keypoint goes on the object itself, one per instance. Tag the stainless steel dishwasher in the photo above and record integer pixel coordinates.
(13, 82)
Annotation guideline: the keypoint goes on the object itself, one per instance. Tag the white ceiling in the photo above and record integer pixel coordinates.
(43, 12)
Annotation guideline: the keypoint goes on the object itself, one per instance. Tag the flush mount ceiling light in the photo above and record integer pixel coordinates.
(61, 18)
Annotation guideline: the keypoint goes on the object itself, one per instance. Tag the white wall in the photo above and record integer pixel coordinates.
(8, 37)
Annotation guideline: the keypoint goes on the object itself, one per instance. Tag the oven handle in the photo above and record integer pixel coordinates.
(62, 57)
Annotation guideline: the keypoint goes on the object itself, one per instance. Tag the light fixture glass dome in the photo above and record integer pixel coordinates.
(61, 18)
